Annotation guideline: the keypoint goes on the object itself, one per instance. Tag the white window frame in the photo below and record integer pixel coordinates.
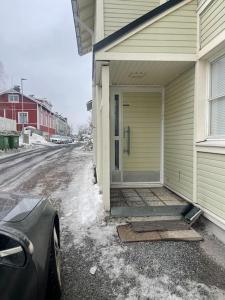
(14, 96)
(210, 99)
(23, 112)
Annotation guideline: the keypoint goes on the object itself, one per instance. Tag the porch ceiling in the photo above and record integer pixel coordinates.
(146, 72)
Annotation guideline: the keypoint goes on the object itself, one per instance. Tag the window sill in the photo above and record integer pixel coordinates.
(211, 143)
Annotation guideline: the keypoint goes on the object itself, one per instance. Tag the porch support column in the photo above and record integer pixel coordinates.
(98, 97)
(94, 125)
(105, 138)
(200, 111)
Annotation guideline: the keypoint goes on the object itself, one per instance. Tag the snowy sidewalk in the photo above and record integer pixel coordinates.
(97, 266)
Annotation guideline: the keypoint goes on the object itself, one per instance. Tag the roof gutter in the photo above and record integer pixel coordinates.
(133, 25)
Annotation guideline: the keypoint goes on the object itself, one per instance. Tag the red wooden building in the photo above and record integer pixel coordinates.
(27, 110)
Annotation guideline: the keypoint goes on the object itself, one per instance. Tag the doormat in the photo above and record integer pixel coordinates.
(127, 235)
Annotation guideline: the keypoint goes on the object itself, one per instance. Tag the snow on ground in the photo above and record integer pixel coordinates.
(34, 139)
(84, 216)
(95, 261)
(83, 208)
(22, 148)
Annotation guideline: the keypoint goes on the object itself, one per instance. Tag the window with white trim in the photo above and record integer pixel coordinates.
(14, 98)
(23, 117)
(217, 99)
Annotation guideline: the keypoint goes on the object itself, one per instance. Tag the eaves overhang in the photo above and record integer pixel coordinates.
(135, 24)
(83, 14)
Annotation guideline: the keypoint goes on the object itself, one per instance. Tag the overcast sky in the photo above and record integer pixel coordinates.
(38, 42)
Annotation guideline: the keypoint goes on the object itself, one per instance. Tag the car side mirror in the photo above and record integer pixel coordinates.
(15, 248)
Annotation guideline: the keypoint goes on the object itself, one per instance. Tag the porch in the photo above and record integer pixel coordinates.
(144, 118)
(140, 202)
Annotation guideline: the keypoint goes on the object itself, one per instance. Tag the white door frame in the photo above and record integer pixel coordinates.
(119, 90)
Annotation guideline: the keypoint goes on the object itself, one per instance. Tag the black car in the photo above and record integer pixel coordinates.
(29, 249)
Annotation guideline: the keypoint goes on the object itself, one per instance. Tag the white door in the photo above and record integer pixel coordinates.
(136, 137)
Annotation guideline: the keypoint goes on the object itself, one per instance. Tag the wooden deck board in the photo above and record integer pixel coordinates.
(160, 225)
(127, 235)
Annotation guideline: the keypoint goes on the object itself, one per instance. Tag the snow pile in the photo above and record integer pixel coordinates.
(85, 137)
(37, 139)
(87, 142)
(83, 205)
(34, 139)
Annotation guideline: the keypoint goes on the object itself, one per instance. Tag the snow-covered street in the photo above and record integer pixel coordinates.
(96, 265)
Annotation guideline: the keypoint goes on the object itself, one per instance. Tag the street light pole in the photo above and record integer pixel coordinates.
(22, 80)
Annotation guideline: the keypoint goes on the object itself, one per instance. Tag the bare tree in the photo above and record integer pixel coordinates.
(84, 135)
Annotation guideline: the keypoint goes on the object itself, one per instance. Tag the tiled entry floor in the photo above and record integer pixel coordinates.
(144, 197)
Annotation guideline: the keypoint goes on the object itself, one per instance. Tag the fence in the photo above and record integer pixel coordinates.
(7, 124)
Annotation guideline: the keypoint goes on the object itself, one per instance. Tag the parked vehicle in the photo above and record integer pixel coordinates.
(57, 139)
(67, 140)
(29, 249)
(70, 140)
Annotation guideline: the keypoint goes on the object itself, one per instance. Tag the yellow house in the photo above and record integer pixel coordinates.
(158, 100)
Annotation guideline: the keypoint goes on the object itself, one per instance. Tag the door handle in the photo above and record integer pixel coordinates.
(127, 136)
(11, 251)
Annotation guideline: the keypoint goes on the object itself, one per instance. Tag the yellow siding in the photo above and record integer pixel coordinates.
(211, 182)
(175, 33)
(118, 13)
(178, 156)
(143, 115)
(212, 21)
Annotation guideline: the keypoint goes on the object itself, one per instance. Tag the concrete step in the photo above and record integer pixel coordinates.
(150, 211)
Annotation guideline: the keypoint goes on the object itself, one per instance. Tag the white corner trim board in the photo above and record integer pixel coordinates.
(105, 138)
(101, 56)
(99, 20)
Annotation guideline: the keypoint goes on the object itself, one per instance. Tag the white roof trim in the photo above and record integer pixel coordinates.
(84, 32)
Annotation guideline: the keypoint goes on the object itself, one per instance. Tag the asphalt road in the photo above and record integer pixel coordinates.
(160, 270)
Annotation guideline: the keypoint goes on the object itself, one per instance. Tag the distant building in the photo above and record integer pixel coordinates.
(62, 127)
(30, 112)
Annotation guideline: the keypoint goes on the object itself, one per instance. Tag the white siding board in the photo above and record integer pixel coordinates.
(210, 182)
(143, 49)
(118, 13)
(174, 33)
(178, 132)
(212, 21)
